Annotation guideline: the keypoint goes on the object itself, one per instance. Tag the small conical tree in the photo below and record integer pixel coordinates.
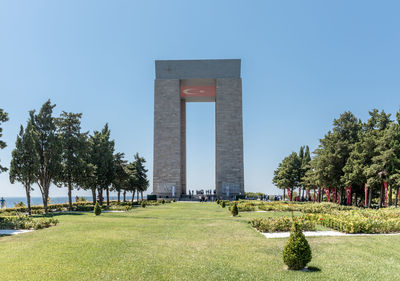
(97, 209)
(223, 204)
(143, 204)
(234, 210)
(297, 251)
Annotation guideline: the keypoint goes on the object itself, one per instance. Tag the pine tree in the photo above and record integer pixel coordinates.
(140, 173)
(25, 161)
(234, 210)
(102, 159)
(74, 147)
(120, 175)
(48, 147)
(297, 251)
(97, 209)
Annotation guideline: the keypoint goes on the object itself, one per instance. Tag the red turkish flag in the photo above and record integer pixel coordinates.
(198, 91)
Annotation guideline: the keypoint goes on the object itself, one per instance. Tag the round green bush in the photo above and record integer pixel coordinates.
(97, 209)
(297, 251)
(217, 201)
(234, 210)
(223, 204)
(143, 204)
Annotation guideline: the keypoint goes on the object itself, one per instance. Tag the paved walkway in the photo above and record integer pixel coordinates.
(321, 233)
(13, 231)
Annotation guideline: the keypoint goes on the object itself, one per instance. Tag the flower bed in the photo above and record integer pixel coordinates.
(361, 221)
(281, 224)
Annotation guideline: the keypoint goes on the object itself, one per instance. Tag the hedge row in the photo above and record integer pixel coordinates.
(25, 222)
(281, 224)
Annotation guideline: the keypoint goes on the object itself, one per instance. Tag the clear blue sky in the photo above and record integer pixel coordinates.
(303, 63)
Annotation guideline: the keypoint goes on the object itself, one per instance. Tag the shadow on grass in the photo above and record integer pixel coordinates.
(312, 269)
(77, 213)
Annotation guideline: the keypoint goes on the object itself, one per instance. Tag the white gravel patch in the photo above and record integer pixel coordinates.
(13, 231)
(322, 233)
(113, 211)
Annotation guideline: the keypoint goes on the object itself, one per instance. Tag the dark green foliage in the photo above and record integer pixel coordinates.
(234, 210)
(217, 201)
(102, 158)
(297, 251)
(74, 147)
(223, 204)
(143, 204)
(97, 209)
(25, 161)
(163, 201)
(152, 197)
(3, 118)
(173, 200)
(288, 173)
(48, 146)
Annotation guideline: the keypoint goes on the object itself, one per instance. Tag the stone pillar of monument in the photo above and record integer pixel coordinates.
(168, 133)
(229, 177)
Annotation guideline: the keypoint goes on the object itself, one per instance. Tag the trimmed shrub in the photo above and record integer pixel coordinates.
(217, 201)
(143, 204)
(297, 251)
(97, 209)
(223, 204)
(173, 200)
(234, 210)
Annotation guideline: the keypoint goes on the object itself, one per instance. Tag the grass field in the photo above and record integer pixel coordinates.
(184, 241)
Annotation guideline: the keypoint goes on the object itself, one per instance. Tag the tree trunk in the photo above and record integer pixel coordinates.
(141, 194)
(397, 196)
(336, 196)
(100, 193)
(45, 198)
(108, 196)
(390, 196)
(94, 195)
(28, 198)
(284, 194)
(119, 196)
(381, 197)
(70, 196)
(124, 195)
(319, 195)
(291, 199)
(137, 195)
(133, 195)
(369, 196)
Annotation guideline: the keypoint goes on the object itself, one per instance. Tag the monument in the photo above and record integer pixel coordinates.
(181, 81)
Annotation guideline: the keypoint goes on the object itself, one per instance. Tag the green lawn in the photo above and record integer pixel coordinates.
(184, 241)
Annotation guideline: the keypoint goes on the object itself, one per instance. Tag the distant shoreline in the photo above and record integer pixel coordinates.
(10, 201)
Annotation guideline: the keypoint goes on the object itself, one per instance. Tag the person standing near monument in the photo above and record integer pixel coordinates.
(2, 202)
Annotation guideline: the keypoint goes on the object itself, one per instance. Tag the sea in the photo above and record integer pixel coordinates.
(11, 201)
